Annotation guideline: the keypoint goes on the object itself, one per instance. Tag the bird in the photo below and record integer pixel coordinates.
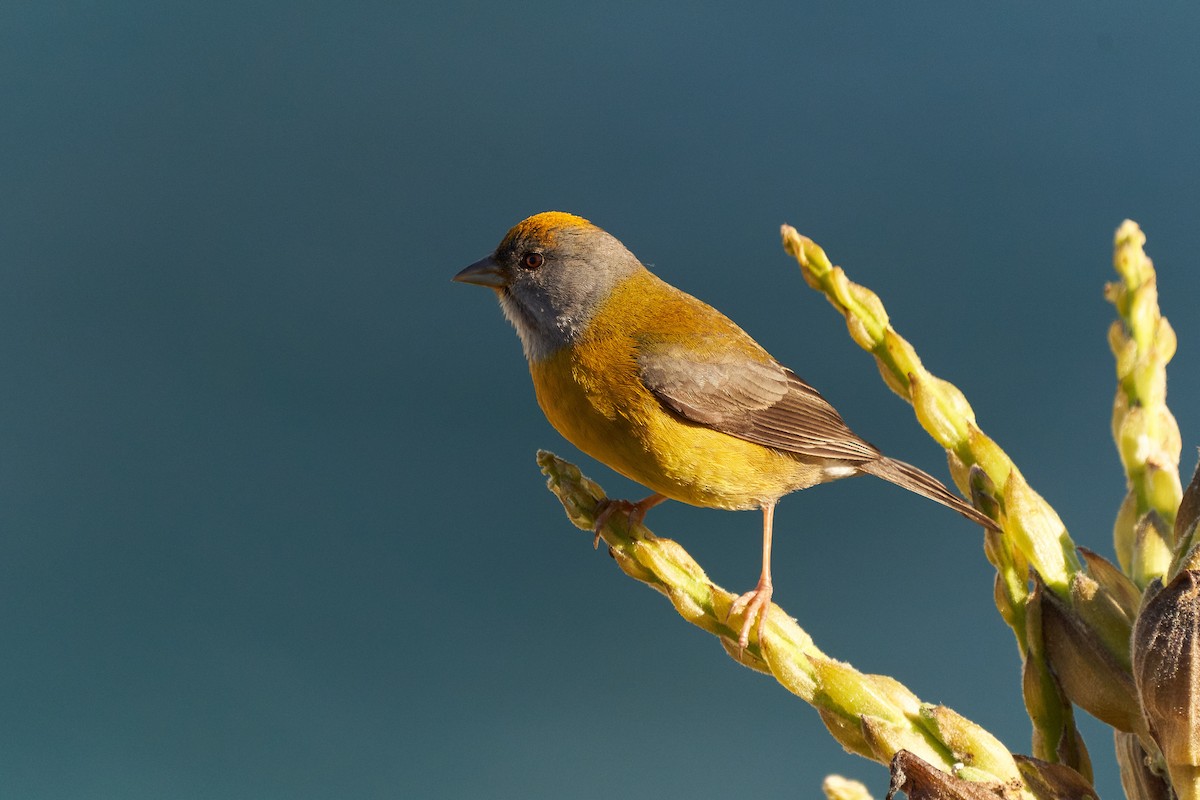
(668, 391)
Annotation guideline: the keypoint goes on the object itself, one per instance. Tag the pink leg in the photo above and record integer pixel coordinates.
(757, 603)
(636, 512)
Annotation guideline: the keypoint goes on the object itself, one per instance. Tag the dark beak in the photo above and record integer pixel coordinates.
(485, 272)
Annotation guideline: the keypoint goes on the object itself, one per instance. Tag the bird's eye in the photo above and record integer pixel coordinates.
(533, 260)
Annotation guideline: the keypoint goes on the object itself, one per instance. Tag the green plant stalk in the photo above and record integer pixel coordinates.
(944, 412)
(1033, 533)
(872, 715)
(1145, 431)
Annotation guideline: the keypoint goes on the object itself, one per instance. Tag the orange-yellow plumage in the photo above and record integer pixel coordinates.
(593, 395)
(545, 227)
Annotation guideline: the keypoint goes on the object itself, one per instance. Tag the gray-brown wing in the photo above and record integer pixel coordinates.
(757, 400)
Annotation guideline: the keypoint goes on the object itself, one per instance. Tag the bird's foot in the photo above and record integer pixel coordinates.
(755, 604)
(635, 512)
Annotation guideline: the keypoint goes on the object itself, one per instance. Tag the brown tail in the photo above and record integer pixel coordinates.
(915, 480)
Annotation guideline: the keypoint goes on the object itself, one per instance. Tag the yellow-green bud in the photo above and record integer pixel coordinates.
(859, 332)
(988, 455)
(779, 654)
(1151, 549)
(868, 319)
(812, 258)
(839, 287)
(580, 504)
(1004, 602)
(1129, 260)
(836, 787)
(1123, 348)
(1125, 531)
(941, 409)
(1135, 437)
(1143, 310)
(893, 381)
(970, 744)
(842, 687)
(1039, 533)
(902, 354)
(1161, 484)
(847, 731)
(888, 738)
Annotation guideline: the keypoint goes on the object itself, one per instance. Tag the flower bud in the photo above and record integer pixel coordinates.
(578, 494)
(836, 787)
(1124, 530)
(1123, 348)
(844, 697)
(1039, 533)
(970, 744)
(1166, 666)
(941, 409)
(982, 491)
(1113, 582)
(1091, 675)
(1151, 548)
(843, 688)
(989, 455)
(847, 732)
(922, 781)
(1189, 508)
(1049, 781)
(1161, 481)
(1103, 617)
(1137, 779)
(888, 738)
(1187, 529)
(869, 318)
(1143, 310)
(900, 387)
(871, 715)
(1129, 259)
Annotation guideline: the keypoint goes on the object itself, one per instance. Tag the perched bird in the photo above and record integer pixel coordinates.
(667, 390)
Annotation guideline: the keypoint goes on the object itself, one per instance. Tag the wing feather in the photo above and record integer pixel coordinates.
(744, 392)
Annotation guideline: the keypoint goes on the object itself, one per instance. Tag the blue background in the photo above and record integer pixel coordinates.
(270, 521)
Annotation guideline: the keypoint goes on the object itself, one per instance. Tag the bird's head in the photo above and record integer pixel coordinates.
(551, 273)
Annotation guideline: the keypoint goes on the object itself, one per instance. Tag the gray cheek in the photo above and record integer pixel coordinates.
(578, 295)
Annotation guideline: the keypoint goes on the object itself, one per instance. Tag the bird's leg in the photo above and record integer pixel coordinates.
(636, 511)
(757, 603)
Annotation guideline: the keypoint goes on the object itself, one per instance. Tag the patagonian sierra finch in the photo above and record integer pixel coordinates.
(668, 391)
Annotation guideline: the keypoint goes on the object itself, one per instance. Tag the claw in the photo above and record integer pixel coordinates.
(756, 604)
(635, 512)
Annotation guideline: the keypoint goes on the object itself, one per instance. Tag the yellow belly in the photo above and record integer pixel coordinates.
(593, 397)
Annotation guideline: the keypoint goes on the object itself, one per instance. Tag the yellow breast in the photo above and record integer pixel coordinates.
(591, 393)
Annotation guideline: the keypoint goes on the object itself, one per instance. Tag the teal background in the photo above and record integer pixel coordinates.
(270, 521)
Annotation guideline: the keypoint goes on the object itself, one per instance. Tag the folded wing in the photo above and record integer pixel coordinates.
(744, 392)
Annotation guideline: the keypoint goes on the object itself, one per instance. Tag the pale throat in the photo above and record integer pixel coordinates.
(542, 332)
